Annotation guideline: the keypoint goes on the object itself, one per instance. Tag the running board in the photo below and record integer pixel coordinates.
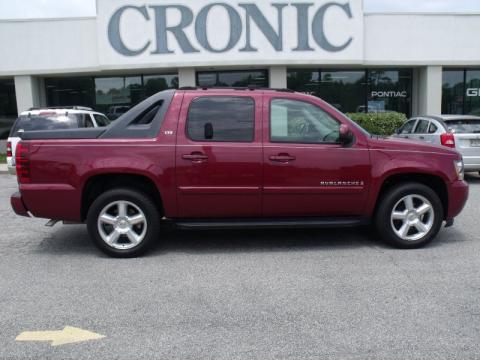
(271, 223)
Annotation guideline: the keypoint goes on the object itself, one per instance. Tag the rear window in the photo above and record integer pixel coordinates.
(464, 126)
(46, 121)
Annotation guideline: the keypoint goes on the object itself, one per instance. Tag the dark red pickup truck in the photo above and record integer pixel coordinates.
(235, 158)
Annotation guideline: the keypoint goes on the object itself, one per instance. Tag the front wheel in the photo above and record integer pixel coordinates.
(123, 222)
(409, 215)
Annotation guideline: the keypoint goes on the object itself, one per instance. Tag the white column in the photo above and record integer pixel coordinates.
(278, 77)
(186, 77)
(27, 92)
(430, 90)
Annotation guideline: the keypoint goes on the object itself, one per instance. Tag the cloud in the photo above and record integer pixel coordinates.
(26, 9)
(422, 5)
(32, 9)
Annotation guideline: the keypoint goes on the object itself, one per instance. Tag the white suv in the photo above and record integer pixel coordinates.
(50, 118)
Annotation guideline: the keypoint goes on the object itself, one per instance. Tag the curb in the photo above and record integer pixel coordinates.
(3, 169)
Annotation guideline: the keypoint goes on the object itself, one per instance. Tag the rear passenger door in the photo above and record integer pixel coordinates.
(420, 132)
(219, 155)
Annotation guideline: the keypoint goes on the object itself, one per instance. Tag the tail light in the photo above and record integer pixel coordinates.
(9, 149)
(448, 140)
(22, 163)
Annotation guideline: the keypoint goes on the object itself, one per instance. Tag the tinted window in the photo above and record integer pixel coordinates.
(422, 127)
(433, 128)
(46, 121)
(101, 120)
(472, 92)
(464, 126)
(298, 121)
(452, 91)
(232, 118)
(88, 121)
(147, 116)
(345, 90)
(407, 128)
(258, 78)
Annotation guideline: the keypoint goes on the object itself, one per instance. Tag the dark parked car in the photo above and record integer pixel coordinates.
(233, 158)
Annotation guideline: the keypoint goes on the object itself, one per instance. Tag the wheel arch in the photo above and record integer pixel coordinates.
(99, 183)
(435, 182)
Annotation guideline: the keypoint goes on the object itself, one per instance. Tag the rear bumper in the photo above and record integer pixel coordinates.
(472, 163)
(457, 198)
(18, 206)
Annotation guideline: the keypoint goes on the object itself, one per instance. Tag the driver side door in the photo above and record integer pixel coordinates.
(307, 172)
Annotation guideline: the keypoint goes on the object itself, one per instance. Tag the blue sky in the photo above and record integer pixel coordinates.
(18, 9)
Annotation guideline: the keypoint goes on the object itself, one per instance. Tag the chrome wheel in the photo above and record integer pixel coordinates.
(122, 225)
(412, 217)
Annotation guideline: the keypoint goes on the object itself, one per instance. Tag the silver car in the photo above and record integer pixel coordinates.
(461, 132)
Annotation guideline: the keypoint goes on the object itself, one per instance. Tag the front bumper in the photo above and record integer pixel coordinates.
(18, 206)
(457, 198)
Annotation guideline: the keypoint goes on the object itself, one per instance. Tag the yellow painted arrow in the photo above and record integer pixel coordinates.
(68, 335)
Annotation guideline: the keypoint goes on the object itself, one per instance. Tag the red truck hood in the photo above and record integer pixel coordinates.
(391, 143)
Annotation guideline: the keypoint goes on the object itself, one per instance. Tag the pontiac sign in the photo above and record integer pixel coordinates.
(202, 32)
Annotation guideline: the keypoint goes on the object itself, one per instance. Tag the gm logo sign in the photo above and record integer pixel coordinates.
(472, 92)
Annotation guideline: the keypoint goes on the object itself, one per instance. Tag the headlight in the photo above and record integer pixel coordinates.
(460, 169)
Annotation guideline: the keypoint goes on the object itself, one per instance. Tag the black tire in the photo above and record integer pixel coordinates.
(383, 222)
(139, 199)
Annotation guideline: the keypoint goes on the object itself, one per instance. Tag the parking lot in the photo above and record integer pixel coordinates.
(242, 294)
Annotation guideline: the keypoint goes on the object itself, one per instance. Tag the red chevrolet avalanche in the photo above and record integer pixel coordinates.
(235, 158)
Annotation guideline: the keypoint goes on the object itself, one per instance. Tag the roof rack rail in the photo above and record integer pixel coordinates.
(239, 88)
(75, 107)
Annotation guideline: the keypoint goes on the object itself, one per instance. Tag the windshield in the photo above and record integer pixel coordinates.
(44, 121)
(465, 126)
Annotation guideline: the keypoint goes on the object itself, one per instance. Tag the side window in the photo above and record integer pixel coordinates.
(101, 120)
(88, 121)
(422, 127)
(408, 127)
(221, 118)
(433, 128)
(301, 122)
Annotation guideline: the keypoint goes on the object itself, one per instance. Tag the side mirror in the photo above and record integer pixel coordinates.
(208, 131)
(346, 136)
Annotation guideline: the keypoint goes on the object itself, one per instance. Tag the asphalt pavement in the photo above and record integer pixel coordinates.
(289, 294)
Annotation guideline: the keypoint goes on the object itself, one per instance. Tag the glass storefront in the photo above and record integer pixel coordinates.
(461, 91)
(110, 95)
(235, 78)
(8, 106)
(370, 90)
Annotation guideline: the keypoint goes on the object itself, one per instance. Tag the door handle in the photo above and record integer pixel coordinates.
(422, 137)
(284, 158)
(195, 157)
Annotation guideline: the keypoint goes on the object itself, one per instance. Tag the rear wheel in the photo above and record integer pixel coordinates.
(123, 222)
(409, 215)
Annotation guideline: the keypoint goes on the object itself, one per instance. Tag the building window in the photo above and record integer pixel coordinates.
(237, 78)
(472, 92)
(389, 90)
(110, 95)
(453, 89)
(8, 106)
(461, 91)
(371, 90)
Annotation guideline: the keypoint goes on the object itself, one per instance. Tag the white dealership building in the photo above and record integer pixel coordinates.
(415, 63)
